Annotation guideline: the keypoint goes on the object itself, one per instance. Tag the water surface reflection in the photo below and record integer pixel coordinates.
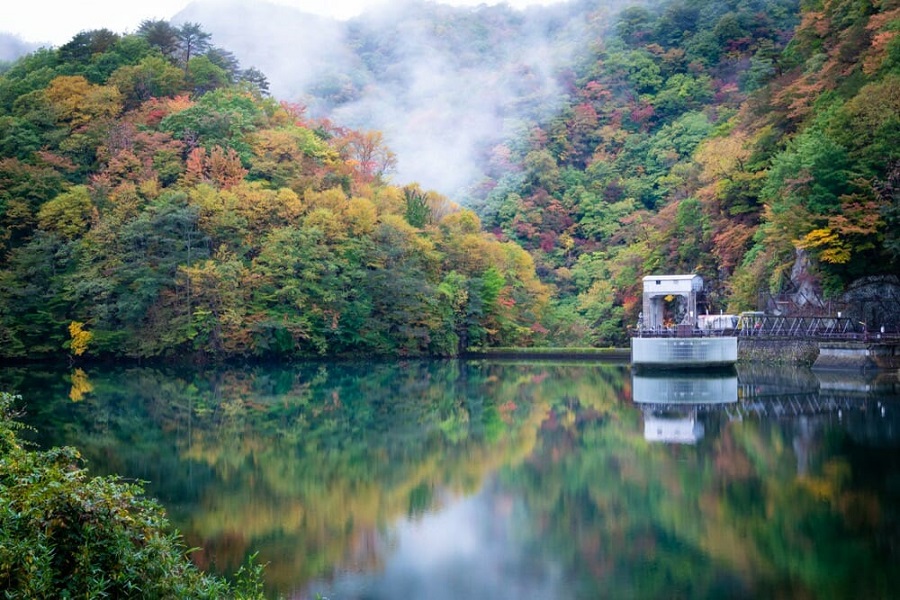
(456, 479)
(672, 403)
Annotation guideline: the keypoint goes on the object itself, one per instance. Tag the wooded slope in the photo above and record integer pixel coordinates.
(156, 202)
(737, 139)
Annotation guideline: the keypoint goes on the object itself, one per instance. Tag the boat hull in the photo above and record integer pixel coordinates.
(683, 352)
(685, 387)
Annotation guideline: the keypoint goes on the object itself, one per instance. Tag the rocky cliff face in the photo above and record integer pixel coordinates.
(871, 302)
(808, 291)
(875, 301)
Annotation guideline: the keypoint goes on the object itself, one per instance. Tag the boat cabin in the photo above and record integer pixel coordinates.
(670, 300)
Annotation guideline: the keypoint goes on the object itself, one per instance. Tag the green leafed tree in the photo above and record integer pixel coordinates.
(64, 533)
(193, 41)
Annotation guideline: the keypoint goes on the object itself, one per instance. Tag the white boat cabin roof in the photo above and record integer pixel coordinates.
(672, 283)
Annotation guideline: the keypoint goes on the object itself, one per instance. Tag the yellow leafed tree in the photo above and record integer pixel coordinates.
(80, 338)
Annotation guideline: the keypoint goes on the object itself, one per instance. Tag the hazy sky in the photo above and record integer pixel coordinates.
(56, 21)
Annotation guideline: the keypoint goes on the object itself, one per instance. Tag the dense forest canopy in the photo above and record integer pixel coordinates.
(156, 200)
(753, 142)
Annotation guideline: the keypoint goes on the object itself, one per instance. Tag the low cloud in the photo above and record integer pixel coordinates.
(443, 84)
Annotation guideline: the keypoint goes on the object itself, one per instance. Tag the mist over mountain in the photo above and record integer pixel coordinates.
(12, 47)
(444, 84)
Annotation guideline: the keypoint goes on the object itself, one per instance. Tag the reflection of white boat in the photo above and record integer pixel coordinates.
(669, 430)
(684, 388)
(669, 333)
(670, 401)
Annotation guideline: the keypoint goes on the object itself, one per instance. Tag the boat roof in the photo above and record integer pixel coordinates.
(669, 277)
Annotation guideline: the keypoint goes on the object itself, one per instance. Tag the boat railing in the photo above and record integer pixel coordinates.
(681, 331)
(818, 328)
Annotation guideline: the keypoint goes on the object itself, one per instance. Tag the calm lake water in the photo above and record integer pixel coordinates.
(454, 479)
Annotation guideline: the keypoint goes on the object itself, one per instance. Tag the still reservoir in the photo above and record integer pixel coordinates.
(502, 479)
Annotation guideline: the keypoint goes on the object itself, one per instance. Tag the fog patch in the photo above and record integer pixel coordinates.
(443, 84)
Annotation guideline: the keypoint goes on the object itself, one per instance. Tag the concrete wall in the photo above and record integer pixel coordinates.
(857, 356)
(874, 354)
(820, 355)
(777, 352)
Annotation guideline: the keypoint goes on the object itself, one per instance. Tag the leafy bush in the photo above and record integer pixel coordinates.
(64, 534)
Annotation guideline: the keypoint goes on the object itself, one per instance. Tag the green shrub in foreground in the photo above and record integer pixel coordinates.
(65, 534)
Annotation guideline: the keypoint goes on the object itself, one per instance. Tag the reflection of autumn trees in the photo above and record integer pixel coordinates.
(311, 465)
(316, 479)
(308, 465)
(731, 516)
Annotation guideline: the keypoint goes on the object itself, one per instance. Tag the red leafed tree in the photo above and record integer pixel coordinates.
(368, 153)
(220, 167)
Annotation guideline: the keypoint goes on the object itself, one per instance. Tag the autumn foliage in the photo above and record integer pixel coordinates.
(729, 139)
(156, 202)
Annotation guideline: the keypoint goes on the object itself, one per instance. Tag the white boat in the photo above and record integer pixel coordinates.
(668, 336)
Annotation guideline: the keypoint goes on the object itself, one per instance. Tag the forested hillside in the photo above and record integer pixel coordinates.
(738, 139)
(155, 201)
